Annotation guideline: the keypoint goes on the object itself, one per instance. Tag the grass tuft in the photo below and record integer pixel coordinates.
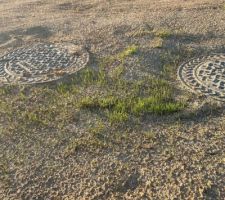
(155, 105)
(117, 116)
(128, 52)
(88, 103)
(162, 33)
(107, 102)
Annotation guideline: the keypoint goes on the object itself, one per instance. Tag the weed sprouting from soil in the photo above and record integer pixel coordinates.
(128, 52)
(120, 98)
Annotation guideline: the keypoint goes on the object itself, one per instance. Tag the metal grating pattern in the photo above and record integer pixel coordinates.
(205, 75)
(41, 63)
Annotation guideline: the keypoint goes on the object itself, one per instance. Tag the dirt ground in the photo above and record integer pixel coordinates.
(183, 158)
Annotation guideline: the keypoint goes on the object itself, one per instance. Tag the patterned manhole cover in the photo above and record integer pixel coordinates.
(205, 75)
(41, 63)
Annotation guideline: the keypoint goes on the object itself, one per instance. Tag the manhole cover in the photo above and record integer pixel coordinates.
(205, 75)
(41, 63)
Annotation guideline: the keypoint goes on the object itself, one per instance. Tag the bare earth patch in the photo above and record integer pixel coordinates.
(124, 127)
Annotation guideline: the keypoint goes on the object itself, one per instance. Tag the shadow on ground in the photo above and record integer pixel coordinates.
(41, 32)
(17, 37)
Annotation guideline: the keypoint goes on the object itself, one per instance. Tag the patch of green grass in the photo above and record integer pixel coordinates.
(117, 116)
(88, 102)
(144, 105)
(65, 89)
(97, 102)
(88, 76)
(165, 108)
(128, 52)
(126, 98)
(155, 105)
(107, 102)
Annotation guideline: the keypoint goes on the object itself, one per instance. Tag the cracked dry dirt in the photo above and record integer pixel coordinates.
(180, 157)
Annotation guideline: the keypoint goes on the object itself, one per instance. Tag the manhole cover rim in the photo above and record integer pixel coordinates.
(69, 71)
(187, 86)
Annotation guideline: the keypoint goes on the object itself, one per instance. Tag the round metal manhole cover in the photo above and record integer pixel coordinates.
(205, 75)
(41, 63)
